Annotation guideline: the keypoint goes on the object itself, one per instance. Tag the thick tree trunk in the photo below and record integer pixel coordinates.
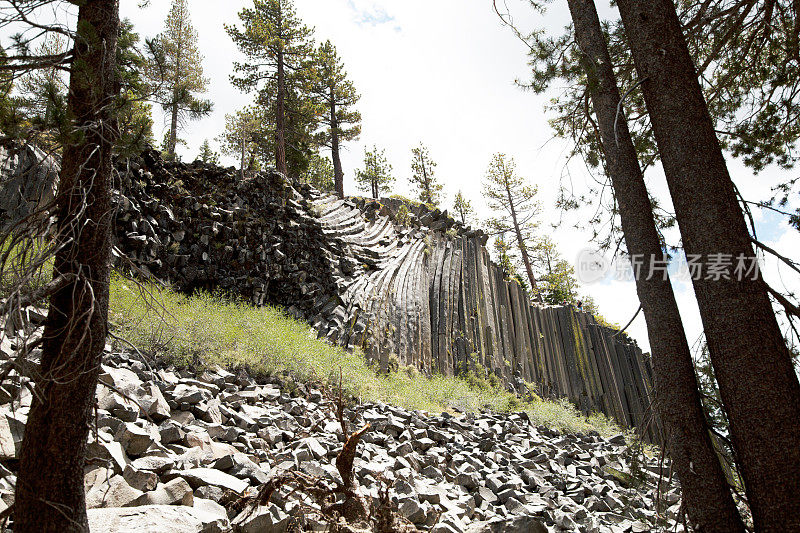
(173, 130)
(758, 385)
(50, 494)
(338, 174)
(706, 494)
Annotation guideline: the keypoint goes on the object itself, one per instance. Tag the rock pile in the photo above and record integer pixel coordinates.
(180, 451)
(201, 228)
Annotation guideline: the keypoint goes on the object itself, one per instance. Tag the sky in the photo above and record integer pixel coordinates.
(443, 72)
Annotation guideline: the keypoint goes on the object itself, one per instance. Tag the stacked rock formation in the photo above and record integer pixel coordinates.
(394, 278)
(181, 451)
(28, 181)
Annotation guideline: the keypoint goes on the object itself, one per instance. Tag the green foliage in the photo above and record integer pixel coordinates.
(423, 176)
(376, 176)
(207, 155)
(515, 206)
(463, 208)
(275, 40)
(748, 68)
(176, 72)
(504, 259)
(26, 264)
(206, 330)
(41, 97)
(337, 94)
(134, 113)
(243, 132)
(319, 173)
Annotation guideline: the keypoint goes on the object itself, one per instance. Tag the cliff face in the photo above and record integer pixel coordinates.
(395, 279)
(430, 294)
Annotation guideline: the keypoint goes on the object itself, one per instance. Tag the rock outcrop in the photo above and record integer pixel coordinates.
(393, 278)
(28, 181)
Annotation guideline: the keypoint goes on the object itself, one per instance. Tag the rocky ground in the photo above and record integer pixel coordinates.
(174, 450)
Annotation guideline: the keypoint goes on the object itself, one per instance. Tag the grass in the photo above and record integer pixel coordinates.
(205, 330)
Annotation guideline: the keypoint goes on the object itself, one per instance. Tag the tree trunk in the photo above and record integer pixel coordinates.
(173, 132)
(757, 382)
(338, 175)
(523, 250)
(50, 493)
(426, 183)
(280, 110)
(706, 494)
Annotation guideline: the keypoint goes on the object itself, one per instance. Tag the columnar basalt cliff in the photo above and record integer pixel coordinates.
(391, 277)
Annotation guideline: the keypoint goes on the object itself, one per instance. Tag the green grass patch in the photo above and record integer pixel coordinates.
(208, 330)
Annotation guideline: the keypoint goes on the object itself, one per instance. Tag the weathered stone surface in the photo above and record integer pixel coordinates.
(263, 519)
(114, 493)
(156, 518)
(198, 477)
(174, 492)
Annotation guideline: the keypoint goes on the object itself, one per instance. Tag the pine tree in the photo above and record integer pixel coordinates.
(757, 380)
(278, 48)
(338, 95)
(423, 176)
(507, 193)
(463, 208)
(207, 155)
(43, 97)
(376, 177)
(176, 72)
(240, 138)
(134, 113)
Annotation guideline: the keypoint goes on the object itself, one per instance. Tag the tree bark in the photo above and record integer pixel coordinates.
(758, 385)
(175, 109)
(280, 109)
(173, 132)
(338, 174)
(706, 494)
(50, 493)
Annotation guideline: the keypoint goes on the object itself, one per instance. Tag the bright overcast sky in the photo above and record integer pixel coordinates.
(442, 72)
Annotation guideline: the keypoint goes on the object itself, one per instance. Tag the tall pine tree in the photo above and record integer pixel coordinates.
(463, 208)
(176, 71)
(753, 365)
(279, 49)
(508, 194)
(423, 176)
(338, 95)
(376, 176)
